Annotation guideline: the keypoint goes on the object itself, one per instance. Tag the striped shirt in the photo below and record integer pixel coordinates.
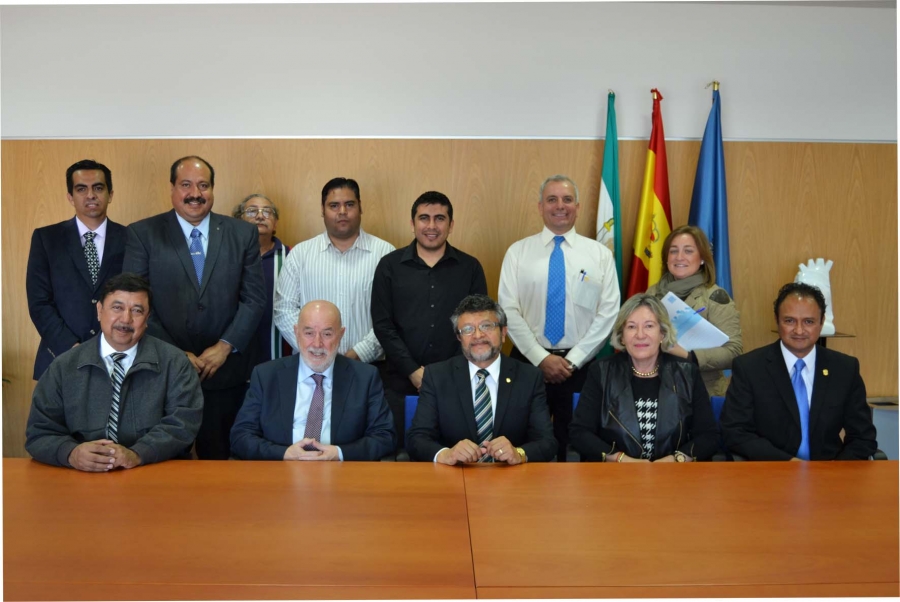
(316, 269)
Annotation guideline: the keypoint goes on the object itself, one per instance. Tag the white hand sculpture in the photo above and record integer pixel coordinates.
(815, 273)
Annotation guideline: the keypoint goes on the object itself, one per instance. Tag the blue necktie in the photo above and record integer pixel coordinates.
(555, 320)
(803, 406)
(197, 254)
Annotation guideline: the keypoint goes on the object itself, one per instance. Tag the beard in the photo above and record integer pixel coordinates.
(488, 353)
(318, 358)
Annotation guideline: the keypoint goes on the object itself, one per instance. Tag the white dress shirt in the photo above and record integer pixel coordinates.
(809, 370)
(106, 350)
(99, 236)
(306, 386)
(492, 380)
(592, 295)
(316, 269)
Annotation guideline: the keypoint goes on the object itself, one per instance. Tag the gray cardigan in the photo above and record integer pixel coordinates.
(160, 413)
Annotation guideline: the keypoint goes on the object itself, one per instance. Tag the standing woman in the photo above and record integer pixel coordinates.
(689, 273)
(259, 210)
(643, 405)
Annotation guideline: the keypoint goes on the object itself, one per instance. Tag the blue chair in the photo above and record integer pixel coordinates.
(409, 410)
(571, 454)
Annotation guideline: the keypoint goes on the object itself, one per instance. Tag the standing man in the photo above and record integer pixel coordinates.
(260, 211)
(337, 265)
(316, 405)
(204, 271)
(70, 262)
(415, 291)
(791, 399)
(560, 292)
(481, 406)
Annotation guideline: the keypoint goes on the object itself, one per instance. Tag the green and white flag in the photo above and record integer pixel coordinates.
(609, 214)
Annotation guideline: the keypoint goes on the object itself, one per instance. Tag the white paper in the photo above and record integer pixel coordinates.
(694, 331)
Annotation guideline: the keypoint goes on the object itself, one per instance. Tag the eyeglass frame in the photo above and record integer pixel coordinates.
(491, 326)
(266, 211)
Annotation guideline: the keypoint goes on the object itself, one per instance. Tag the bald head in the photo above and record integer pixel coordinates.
(319, 334)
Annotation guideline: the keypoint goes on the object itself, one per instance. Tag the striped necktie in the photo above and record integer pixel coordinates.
(484, 417)
(118, 375)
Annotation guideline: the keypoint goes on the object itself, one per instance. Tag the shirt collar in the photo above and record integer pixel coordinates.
(82, 229)
(106, 349)
(547, 236)
(187, 227)
(305, 371)
(493, 369)
(411, 254)
(273, 250)
(361, 242)
(790, 359)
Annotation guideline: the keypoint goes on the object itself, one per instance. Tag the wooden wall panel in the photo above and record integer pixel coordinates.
(787, 202)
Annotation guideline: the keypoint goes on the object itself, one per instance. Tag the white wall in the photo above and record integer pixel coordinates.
(446, 70)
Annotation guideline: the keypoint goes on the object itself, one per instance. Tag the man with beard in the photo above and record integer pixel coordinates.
(120, 399)
(204, 270)
(317, 405)
(413, 294)
(481, 407)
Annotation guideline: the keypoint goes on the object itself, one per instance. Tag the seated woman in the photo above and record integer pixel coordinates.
(643, 405)
(689, 273)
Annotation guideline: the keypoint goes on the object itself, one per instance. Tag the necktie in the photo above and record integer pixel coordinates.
(197, 254)
(555, 321)
(118, 375)
(90, 254)
(803, 406)
(316, 412)
(484, 417)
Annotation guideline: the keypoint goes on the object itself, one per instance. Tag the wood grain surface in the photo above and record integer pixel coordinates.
(748, 529)
(788, 202)
(236, 530)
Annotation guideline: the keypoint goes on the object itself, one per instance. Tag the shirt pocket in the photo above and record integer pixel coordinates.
(586, 294)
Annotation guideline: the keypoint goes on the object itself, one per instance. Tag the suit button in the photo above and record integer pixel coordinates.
(92, 332)
(93, 301)
(201, 307)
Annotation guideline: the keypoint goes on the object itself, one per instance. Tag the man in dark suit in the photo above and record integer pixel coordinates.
(316, 405)
(790, 400)
(480, 406)
(70, 262)
(204, 271)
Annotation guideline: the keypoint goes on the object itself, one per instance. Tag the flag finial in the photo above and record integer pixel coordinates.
(611, 92)
(714, 84)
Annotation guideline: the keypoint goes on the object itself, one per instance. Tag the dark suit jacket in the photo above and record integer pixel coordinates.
(446, 411)
(361, 422)
(228, 305)
(760, 419)
(61, 299)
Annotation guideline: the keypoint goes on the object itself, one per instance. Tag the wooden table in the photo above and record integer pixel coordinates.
(235, 530)
(746, 529)
(272, 530)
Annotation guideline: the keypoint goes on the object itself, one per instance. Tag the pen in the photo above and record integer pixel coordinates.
(699, 310)
(583, 274)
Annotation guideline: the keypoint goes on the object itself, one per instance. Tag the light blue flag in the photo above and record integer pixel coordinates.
(709, 203)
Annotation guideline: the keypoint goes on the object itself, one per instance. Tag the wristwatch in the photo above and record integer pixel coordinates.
(522, 455)
(680, 456)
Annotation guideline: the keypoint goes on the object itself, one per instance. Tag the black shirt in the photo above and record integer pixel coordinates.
(412, 303)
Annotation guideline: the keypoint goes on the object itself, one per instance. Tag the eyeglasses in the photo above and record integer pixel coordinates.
(485, 327)
(254, 211)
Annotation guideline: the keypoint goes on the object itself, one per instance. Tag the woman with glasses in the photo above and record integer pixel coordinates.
(643, 405)
(262, 212)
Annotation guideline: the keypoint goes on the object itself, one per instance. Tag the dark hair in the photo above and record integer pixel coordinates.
(174, 168)
(87, 164)
(433, 197)
(703, 248)
(802, 290)
(129, 283)
(477, 303)
(338, 183)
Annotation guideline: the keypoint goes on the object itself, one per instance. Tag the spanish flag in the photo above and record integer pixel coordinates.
(654, 221)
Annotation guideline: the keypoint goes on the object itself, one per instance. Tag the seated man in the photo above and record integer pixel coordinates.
(480, 407)
(790, 400)
(317, 405)
(120, 399)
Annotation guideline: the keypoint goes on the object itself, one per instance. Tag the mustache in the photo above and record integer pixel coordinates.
(194, 199)
(123, 327)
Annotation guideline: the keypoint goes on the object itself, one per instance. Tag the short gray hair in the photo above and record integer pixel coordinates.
(239, 210)
(477, 303)
(558, 178)
(662, 316)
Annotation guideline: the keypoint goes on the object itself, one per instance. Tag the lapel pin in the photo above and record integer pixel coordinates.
(509, 380)
(825, 372)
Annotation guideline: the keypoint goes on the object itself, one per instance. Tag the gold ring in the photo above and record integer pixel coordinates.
(501, 452)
